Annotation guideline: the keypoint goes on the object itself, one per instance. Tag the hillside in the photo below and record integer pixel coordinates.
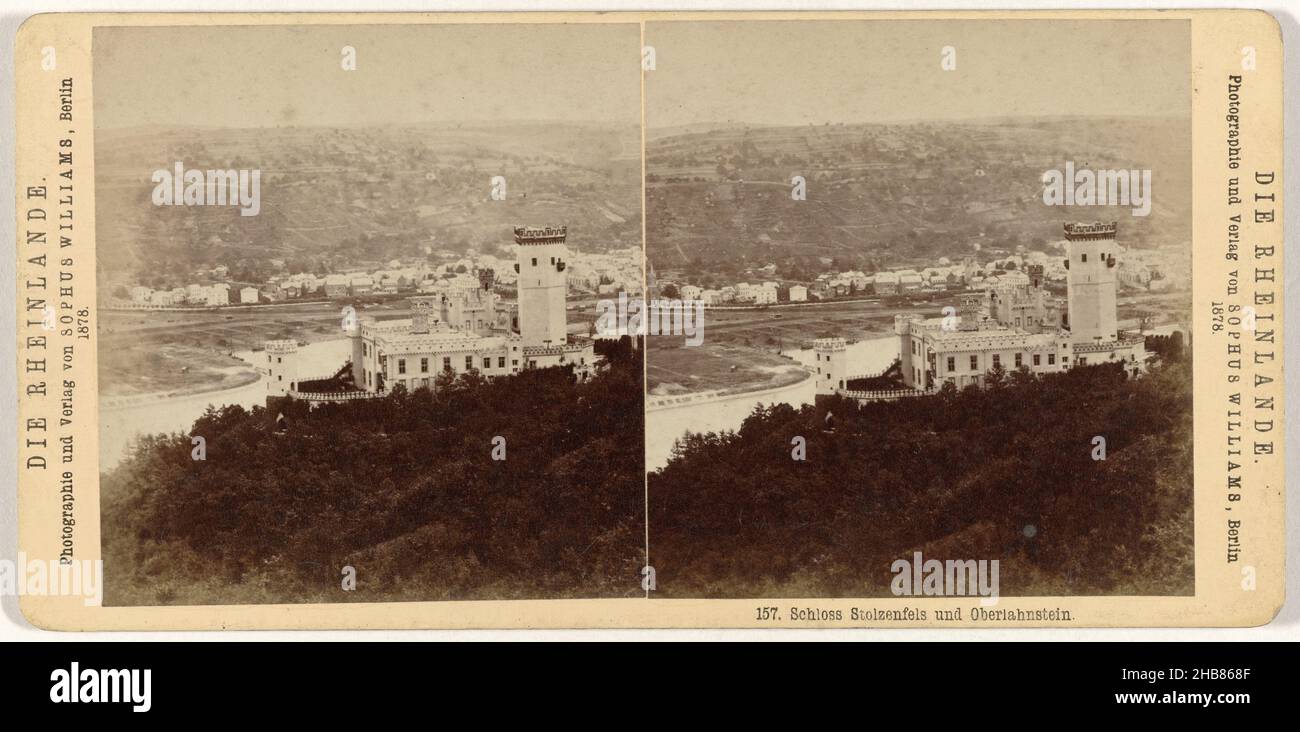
(1003, 473)
(718, 199)
(403, 489)
(340, 197)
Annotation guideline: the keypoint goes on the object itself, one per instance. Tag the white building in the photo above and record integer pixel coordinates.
(458, 330)
(1018, 325)
(248, 295)
(218, 295)
(886, 283)
(336, 285)
(798, 293)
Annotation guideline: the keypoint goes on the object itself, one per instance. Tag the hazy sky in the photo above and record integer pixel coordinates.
(797, 72)
(255, 76)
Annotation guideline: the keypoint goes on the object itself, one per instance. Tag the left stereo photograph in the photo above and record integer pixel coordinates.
(347, 283)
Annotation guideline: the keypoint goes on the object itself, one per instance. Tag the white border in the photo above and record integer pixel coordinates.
(13, 627)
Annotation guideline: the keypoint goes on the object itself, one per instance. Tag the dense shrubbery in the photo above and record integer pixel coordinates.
(402, 488)
(1002, 473)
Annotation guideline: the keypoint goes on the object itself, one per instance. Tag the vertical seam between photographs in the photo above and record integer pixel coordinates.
(645, 264)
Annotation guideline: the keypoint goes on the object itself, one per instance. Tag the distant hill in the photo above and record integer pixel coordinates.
(336, 197)
(718, 196)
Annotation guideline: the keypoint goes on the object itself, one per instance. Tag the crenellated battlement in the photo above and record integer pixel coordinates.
(1096, 230)
(537, 235)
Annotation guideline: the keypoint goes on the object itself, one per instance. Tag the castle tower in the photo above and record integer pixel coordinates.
(970, 313)
(831, 364)
(1091, 281)
(351, 324)
(281, 367)
(1035, 272)
(421, 307)
(540, 255)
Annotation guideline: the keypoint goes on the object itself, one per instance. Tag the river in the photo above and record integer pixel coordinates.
(665, 424)
(120, 427)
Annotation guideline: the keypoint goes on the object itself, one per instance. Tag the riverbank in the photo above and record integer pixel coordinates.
(124, 423)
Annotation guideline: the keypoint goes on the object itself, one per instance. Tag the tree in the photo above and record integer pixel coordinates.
(959, 474)
(404, 485)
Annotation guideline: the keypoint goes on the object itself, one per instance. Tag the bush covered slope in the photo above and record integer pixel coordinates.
(1002, 473)
(403, 489)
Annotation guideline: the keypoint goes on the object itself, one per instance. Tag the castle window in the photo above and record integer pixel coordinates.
(401, 365)
(446, 363)
(487, 362)
(534, 261)
(1083, 257)
(1038, 359)
(1018, 360)
(997, 360)
(279, 360)
(424, 365)
(974, 362)
(501, 362)
(469, 363)
(952, 364)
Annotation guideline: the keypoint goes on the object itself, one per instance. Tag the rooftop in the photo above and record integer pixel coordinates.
(540, 234)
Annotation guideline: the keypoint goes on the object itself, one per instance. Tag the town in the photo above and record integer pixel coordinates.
(1159, 270)
(598, 274)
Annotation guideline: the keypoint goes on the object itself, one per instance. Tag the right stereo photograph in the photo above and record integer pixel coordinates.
(924, 303)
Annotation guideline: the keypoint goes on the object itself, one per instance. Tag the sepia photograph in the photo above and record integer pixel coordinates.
(944, 277)
(824, 322)
(347, 284)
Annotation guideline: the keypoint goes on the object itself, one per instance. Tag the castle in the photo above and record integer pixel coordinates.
(453, 332)
(1015, 325)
